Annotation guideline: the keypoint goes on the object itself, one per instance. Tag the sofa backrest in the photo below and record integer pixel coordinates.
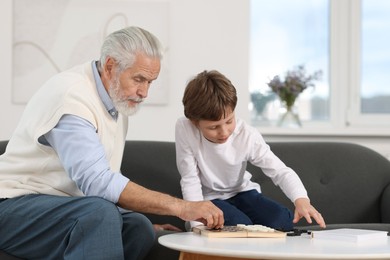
(345, 181)
(3, 145)
(152, 164)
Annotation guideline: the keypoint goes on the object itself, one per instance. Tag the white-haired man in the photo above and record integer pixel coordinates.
(61, 189)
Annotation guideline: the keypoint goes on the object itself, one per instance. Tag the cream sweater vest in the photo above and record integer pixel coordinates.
(28, 167)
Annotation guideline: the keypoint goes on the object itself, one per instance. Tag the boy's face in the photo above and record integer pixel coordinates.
(218, 131)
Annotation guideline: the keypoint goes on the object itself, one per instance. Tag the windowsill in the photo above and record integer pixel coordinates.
(324, 131)
(373, 138)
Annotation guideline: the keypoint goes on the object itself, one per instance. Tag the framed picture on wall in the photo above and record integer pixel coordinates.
(52, 36)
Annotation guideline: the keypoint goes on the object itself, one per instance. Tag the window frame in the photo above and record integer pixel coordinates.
(355, 117)
(345, 81)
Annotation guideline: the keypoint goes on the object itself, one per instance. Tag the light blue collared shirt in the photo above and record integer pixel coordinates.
(103, 93)
(81, 153)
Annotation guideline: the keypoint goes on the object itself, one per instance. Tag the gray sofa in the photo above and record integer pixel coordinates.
(349, 184)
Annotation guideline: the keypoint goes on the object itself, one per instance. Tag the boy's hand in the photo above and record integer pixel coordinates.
(303, 209)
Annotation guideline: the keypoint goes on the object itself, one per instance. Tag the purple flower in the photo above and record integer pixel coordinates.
(295, 82)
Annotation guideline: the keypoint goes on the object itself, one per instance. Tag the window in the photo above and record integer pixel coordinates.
(346, 40)
(375, 66)
(283, 38)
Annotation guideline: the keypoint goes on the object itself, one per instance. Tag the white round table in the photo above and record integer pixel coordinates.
(194, 246)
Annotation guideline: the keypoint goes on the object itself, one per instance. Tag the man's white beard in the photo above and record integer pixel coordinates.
(121, 102)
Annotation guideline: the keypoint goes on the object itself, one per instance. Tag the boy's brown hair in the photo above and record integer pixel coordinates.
(208, 96)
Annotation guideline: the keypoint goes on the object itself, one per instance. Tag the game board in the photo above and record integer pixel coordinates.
(239, 231)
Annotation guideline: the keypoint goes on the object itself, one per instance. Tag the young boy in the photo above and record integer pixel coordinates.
(212, 151)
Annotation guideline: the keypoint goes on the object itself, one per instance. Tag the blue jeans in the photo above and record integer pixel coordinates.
(251, 207)
(55, 227)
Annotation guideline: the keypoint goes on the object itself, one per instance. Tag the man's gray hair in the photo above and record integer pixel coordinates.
(124, 44)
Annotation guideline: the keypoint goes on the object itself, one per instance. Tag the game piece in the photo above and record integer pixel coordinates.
(239, 231)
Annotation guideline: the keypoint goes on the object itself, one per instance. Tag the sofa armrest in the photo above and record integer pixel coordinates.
(385, 205)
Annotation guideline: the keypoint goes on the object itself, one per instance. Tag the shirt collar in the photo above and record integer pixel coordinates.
(109, 105)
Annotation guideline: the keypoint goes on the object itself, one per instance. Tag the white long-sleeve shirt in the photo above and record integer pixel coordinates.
(218, 171)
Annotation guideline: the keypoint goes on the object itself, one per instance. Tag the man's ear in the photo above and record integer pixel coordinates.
(109, 67)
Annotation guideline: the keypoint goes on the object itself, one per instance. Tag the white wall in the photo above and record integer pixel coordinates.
(203, 34)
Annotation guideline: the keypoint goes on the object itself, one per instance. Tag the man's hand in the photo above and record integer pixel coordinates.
(202, 211)
(303, 209)
(159, 227)
(138, 198)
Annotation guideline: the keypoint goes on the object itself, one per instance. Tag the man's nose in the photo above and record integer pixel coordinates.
(143, 90)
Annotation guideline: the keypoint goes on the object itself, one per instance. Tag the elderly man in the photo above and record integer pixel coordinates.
(62, 195)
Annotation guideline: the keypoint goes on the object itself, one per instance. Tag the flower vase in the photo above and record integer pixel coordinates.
(289, 118)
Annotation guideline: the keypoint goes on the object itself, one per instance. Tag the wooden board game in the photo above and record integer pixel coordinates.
(239, 231)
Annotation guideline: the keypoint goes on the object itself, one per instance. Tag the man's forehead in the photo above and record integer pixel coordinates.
(146, 67)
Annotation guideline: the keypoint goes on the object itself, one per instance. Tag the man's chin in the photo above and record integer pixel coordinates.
(129, 111)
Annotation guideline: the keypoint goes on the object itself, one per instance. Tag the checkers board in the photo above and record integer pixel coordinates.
(239, 231)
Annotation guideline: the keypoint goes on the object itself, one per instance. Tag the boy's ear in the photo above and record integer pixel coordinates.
(195, 122)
